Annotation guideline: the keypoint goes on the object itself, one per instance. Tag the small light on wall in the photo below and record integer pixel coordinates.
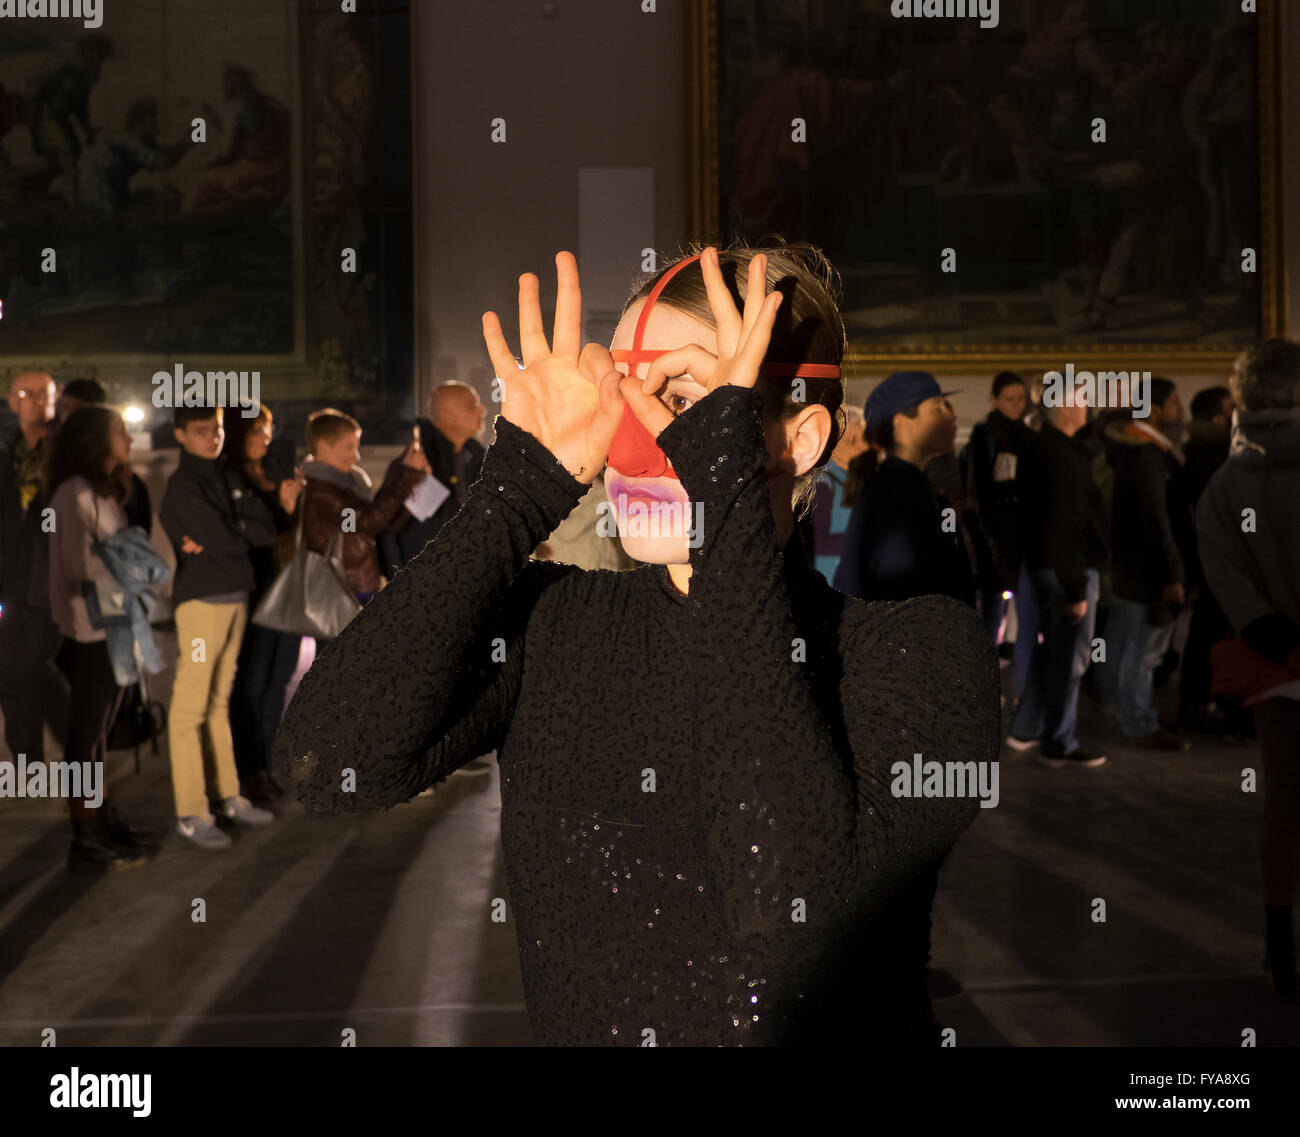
(133, 414)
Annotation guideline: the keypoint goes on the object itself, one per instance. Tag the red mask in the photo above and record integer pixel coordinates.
(633, 452)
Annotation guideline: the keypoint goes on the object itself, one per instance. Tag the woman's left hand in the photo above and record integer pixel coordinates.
(742, 343)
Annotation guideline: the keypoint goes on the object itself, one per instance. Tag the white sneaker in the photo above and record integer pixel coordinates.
(244, 812)
(203, 833)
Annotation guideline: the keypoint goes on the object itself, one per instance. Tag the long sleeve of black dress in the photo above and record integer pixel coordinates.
(423, 679)
(697, 791)
(792, 820)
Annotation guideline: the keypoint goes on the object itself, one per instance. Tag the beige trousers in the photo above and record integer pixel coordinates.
(209, 635)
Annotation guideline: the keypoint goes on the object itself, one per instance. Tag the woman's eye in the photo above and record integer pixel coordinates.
(677, 399)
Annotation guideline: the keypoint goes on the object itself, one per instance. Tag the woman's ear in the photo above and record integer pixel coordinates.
(807, 434)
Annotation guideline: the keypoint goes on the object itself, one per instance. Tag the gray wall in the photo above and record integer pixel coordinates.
(485, 212)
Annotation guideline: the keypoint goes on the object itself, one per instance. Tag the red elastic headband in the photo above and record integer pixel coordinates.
(633, 450)
(638, 354)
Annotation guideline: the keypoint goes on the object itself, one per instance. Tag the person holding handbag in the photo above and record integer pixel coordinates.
(267, 657)
(87, 483)
(334, 505)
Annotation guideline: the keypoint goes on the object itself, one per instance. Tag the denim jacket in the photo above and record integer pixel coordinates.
(136, 566)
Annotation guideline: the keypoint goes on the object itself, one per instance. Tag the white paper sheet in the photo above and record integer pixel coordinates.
(427, 498)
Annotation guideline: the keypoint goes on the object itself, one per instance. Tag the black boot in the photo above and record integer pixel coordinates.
(1280, 948)
(127, 835)
(94, 848)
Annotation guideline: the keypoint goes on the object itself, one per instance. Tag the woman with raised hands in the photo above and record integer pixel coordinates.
(700, 806)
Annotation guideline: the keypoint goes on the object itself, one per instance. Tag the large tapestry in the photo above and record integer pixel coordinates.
(1057, 174)
(191, 184)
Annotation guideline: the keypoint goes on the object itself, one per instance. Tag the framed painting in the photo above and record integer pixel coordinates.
(1062, 179)
(211, 193)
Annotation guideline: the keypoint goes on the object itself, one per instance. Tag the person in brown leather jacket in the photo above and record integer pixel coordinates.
(332, 504)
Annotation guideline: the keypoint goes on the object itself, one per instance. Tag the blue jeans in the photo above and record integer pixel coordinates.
(1049, 706)
(1026, 628)
(1134, 649)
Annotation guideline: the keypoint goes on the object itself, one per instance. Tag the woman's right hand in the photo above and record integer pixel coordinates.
(569, 400)
(416, 459)
(290, 490)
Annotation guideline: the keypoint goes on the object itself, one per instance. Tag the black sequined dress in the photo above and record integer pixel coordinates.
(696, 790)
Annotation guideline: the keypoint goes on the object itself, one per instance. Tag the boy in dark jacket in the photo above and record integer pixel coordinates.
(213, 524)
(332, 504)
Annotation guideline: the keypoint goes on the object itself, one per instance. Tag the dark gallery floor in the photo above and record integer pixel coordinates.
(382, 924)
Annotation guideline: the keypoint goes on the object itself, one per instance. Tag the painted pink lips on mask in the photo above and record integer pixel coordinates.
(637, 489)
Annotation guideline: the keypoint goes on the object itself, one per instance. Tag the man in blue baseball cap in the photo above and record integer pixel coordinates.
(903, 391)
(900, 543)
(897, 544)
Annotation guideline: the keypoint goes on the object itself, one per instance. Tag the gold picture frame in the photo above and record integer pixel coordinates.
(701, 129)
